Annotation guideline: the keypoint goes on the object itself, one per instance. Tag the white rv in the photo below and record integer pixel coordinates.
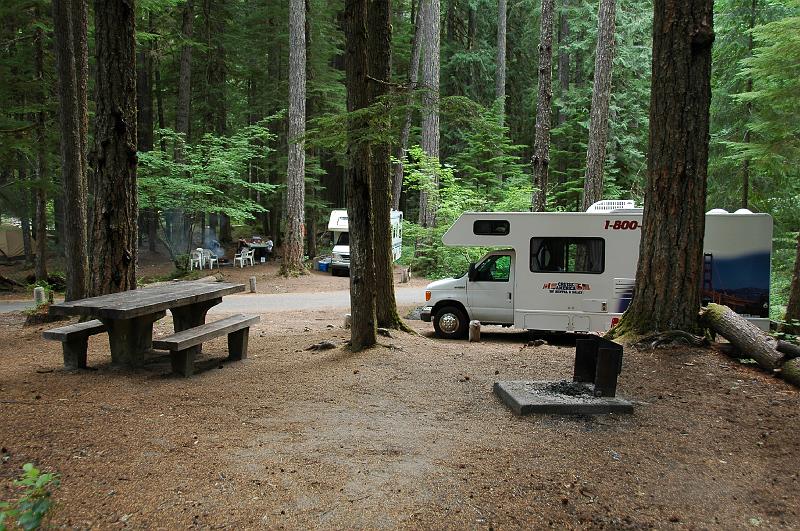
(340, 255)
(575, 272)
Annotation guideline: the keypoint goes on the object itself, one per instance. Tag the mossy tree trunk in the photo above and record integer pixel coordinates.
(667, 293)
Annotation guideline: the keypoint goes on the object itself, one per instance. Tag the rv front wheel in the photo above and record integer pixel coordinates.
(450, 323)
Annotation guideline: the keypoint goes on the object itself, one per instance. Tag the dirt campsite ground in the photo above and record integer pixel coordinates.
(405, 435)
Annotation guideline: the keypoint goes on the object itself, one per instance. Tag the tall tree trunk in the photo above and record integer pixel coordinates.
(430, 103)
(380, 68)
(563, 80)
(359, 207)
(159, 99)
(42, 178)
(80, 23)
(793, 308)
(73, 177)
(295, 175)
(541, 144)
(402, 149)
(145, 124)
(25, 214)
(601, 96)
(185, 72)
(500, 63)
(668, 283)
(749, 111)
(114, 155)
(179, 222)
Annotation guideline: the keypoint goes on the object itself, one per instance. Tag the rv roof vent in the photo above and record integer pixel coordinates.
(743, 211)
(717, 211)
(607, 205)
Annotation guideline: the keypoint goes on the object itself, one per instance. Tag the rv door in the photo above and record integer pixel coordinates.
(490, 293)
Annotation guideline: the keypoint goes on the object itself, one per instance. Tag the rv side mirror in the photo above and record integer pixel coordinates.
(473, 273)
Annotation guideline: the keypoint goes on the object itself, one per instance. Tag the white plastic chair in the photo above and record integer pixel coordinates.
(195, 258)
(240, 257)
(210, 258)
(251, 256)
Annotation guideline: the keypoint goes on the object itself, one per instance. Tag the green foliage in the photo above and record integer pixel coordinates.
(423, 247)
(31, 508)
(209, 177)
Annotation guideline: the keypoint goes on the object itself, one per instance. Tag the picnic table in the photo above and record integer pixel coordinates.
(129, 316)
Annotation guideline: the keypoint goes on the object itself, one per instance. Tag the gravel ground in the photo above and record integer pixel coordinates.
(405, 435)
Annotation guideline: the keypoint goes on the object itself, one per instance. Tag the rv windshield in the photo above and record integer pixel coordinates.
(344, 239)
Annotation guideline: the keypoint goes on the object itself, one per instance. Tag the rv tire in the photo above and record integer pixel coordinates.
(450, 322)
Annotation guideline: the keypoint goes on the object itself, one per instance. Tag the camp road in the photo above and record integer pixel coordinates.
(278, 302)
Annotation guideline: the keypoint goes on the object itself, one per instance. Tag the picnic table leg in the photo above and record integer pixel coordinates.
(129, 339)
(190, 316)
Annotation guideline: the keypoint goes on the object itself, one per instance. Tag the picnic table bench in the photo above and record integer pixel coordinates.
(128, 318)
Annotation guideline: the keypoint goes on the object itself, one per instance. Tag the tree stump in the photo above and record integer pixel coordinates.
(348, 320)
(791, 371)
(405, 275)
(474, 331)
(746, 337)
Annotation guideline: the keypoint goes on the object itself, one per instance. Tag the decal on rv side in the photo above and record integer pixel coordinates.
(566, 287)
(622, 224)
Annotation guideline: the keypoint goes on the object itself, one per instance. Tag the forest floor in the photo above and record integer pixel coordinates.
(405, 435)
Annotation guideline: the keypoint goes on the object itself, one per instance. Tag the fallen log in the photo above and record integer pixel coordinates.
(791, 371)
(790, 349)
(745, 336)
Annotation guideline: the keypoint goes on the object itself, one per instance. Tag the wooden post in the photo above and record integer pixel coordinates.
(252, 284)
(38, 295)
(474, 331)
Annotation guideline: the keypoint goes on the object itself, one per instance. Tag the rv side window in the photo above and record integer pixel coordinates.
(491, 227)
(344, 239)
(568, 255)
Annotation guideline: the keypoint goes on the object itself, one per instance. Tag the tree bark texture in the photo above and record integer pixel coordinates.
(380, 69)
(668, 280)
(295, 176)
(541, 143)
(791, 372)
(413, 77)
(601, 97)
(73, 177)
(431, 17)
(743, 335)
(500, 64)
(563, 79)
(114, 232)
(359, 207)
(80, 23)
(793, 308)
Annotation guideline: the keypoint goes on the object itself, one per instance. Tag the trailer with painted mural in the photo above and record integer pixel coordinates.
(575, 271)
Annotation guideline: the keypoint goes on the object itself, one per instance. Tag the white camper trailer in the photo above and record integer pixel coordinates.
(575, 272)
(340, 255)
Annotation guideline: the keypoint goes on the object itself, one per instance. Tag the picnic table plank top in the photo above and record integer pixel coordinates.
(145, 301)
